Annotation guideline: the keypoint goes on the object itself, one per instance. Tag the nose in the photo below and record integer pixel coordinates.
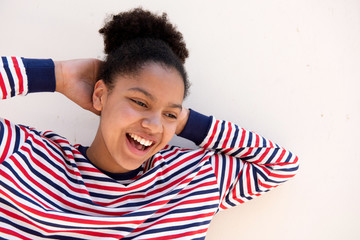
(153, 122)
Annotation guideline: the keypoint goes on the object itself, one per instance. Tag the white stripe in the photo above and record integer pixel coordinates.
(14, 76)
(6, 80)
(24, 75)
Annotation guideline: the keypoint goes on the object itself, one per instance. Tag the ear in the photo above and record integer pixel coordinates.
(99, 95)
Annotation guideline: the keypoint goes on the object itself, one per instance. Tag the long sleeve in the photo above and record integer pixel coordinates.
(20, 76)
(245, 164)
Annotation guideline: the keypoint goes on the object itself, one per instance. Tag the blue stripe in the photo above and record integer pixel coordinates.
(2, 132)
(289, 157)
(264, 142)
(9, 75)
(223, 173)
(16, 191)
(241, 187)
(266, 177)
(47, 178)
(36, 233)
(220, 136)
(250, 139)
(271, 157)
(256, 183)
(43, 197)
(46, 158)
(17, 139)
(181, 227)
(67, 226)
(60, 153)
(228, 199)
(154, 186)
(237, 152)
(293, 169)
(236, 134)
(258, 150)
(195, 193)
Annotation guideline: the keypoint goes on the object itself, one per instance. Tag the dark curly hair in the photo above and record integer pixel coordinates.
(137, 37)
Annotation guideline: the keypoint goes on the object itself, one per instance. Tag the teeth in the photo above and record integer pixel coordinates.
(141, 140)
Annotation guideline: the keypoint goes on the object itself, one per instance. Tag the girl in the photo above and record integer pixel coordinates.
(129, 184)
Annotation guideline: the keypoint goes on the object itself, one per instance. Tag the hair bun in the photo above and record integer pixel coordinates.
(138, 23)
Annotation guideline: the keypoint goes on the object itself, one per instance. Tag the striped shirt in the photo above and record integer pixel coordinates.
(50, 190)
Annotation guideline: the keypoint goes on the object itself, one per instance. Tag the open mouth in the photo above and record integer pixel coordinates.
(138, 142)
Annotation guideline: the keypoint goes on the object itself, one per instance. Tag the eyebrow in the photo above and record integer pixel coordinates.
(146, 93)
(149, 95)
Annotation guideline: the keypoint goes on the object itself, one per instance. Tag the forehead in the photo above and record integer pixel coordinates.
(154, 81)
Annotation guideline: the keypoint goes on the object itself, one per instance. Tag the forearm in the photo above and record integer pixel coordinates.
(245, 164)
(20, 76)
(229, 139)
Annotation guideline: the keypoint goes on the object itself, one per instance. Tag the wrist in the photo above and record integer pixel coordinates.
(183, 118)
(197, 127)
(40, 75)
(59, 80)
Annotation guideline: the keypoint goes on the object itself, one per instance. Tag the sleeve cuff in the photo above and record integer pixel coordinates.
(197, 127)
(41, 75)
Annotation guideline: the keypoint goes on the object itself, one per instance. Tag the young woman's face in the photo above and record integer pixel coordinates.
(138, 117)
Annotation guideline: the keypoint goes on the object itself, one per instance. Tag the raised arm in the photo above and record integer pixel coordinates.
(76, 79)
(245, 164)
(20, 76)
(73, 78)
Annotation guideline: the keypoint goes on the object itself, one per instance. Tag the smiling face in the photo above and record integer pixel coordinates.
(138, 117)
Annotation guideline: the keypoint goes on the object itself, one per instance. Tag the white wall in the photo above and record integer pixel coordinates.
(287, 69)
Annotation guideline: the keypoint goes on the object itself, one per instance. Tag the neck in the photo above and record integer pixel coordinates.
(99, 155)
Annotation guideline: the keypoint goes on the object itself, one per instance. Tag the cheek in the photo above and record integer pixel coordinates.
(169, 131)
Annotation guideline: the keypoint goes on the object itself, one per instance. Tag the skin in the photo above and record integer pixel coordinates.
(147, 106)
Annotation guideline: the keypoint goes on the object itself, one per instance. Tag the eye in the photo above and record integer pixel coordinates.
(141, 104)
(170, 115)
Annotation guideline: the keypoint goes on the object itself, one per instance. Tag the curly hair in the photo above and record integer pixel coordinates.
(137, 37)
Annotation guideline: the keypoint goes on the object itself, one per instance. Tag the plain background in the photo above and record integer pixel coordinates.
(286, 69)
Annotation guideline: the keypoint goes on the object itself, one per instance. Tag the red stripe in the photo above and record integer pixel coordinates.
(158, 174)
(243, 134)
(22, 190)
(267, 186)
(228, 183)
(235, 189)
(265, 154)
(39, 227)
(52, 155)
(54, 195)
(217, 165)
(180, 235)
(176, 219)
(257, 140)
(248, 152)
(8, 141)
(281, 156)
(248, 179)
(65, 219)
(213, 133)
(12, 233)
(49, 171)
(227, 136)
(189, 202)
(2, 87)
(19, 75)
(272, 174)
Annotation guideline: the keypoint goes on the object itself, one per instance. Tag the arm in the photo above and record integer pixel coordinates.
(245, 164)
(20, 76)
